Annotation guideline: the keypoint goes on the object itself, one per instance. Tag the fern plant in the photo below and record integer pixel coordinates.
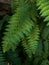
(24, 35)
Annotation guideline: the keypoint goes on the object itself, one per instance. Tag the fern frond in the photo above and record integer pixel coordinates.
(43, 6)
(31, 42)
(19, 24)
(33, 38)
(2, 59)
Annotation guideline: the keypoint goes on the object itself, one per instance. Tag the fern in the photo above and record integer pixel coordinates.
(45, 62)
(33, 38)
(31, 42)
(44, 9)
(2, 59)
(19, 24)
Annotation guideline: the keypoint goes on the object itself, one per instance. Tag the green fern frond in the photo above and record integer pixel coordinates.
(19, 24)
(43, 6)
(13, 4)
(33, 38)
(30, 43)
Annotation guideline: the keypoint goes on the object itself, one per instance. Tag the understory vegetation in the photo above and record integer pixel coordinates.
(24, 34)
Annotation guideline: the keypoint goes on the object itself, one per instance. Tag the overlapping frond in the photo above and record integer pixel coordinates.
(33, 38)
(30, 43)
(19, 24)
(26, 47)
(26, 37)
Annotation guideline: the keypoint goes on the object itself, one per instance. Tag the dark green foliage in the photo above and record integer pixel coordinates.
(13, 58)
(2, 58)
(24, 36)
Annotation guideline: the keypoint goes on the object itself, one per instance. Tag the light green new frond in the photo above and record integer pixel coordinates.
(19, 24)
(43, 6)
